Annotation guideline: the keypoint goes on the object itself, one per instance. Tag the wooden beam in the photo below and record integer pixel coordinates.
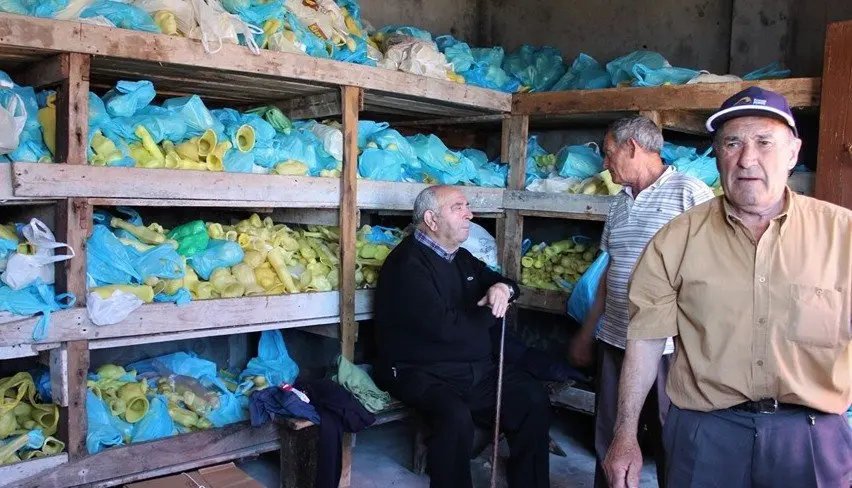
(684, 121)
(73, 420)
(58, 363)
(170, 52)
(15, 474)
(592, 207)
(800, 93)
(72, 110)
(73, 226)
(544, 300)
(655, 117)
(513, 150)
(389, 195)
(470, 120)
(196, 316)
(321, 106)
(44, 74)
(61, 181)
(308, 216)
(160, 457)
(834, 163)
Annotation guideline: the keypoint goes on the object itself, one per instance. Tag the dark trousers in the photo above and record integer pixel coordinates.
(725, 448)
(453, 397)
(610, 359)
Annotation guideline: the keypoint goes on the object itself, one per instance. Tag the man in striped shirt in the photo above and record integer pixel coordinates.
(653, 194)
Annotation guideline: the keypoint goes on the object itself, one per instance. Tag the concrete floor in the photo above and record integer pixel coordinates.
(383, 458)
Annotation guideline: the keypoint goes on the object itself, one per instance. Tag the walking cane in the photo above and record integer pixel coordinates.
(499, 401)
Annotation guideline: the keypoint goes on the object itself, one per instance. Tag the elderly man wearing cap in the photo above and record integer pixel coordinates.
(756, 287)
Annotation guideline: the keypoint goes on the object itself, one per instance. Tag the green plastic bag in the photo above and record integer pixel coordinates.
(192, 238)
(359, 383)
(275, 117)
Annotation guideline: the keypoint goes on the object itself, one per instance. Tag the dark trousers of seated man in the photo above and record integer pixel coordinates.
(453, 397)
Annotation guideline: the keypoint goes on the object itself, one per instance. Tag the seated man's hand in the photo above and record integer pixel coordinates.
(497, 297)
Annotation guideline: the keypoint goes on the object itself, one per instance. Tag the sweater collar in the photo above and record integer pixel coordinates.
(431, 244)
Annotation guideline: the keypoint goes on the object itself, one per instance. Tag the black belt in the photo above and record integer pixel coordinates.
(767, 405)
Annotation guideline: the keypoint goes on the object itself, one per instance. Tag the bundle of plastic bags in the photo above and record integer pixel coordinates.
(481, 67)
(126, 129)
(574, 169)
(28, 421)
(689, 161)
(160, 397)
(374, 244)
(557, 266)
(27, 257)
(538, 69)
(23, 138)
(412, 50)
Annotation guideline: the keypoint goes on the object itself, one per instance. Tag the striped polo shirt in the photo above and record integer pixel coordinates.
(630, 225)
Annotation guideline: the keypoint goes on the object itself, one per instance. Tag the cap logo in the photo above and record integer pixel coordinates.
(743, 101)
(758, 101)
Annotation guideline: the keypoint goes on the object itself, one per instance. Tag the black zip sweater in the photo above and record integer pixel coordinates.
(425, 309)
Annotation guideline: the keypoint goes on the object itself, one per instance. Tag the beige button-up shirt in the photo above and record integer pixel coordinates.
(752, 320)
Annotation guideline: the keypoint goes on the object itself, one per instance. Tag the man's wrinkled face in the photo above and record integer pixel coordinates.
(619, 160)
(452, 224)
(755, 156)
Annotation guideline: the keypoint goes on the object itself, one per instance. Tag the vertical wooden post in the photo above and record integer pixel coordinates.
(834, 161)
(351, 100)
(73, 426)
(514, 152)
(655, 116)
(72, 110)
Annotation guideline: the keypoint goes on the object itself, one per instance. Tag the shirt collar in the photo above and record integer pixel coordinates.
(667, 173)
(782, 218)
(431, 244)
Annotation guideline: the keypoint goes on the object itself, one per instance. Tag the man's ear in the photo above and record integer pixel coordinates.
(431, 221)
(632, 146)
(795, 146)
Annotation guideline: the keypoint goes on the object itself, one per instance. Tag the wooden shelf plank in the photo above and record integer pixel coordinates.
(173, 55)
(65, 180)
(400, 196)
(564, 205)
(16, 473)
(800, 93)
(543, 300)
(137, 461)
(167, 319)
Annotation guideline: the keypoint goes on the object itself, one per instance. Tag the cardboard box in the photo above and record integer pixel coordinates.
(221, 476)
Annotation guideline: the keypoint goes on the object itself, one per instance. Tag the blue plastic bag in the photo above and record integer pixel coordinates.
(46, 9)
(392, 140)
(767, 72)
(219, 254)
(180, 297)
(123, 15)
(383, 235)
(535, 153)
(13, 7)
(621, 69)
(366, 128)
(161, 261)
(539, 69)
(584, 74)
(160, 122)
(457, 53)
(358, 56)
(156, 424)
(580, 161)
(688, 161)
(43, 386)
(32, 127)
(232, 408)
(272, 361)
(645, 76)
(30, 152)
(181, 363)
(380, 164)
(129, 97)
(35, 298)
(196, 116)
(489, 174)
(104, 430)
(107, 259)
(263, 130)
(237, 161)
(586, 289)
(441, 164)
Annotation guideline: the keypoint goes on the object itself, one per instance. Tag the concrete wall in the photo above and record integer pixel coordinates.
(718, 35)
(457, 17)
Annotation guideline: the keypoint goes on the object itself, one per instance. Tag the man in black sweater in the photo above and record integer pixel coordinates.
(436, 306)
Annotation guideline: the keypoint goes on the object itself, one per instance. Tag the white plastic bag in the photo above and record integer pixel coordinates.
(482, 245)
(182, 9)
(215, 24)
(113, 309)
(332, 139)
(415, 56)
(708, 77)
(22, 269)
(554, 184)
(13, 117)
(324, 18)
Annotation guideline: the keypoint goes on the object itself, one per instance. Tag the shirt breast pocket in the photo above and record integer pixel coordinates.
(817, 317)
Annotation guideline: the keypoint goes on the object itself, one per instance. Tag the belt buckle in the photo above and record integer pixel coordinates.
(764, 405)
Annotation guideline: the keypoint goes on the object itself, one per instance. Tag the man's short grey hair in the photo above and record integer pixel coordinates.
(639, 128)
(426, 200)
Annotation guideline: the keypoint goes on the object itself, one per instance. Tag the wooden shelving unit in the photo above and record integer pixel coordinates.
(74, 58)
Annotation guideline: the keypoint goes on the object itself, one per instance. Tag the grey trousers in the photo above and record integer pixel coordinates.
(610, 359)
(731, 449)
